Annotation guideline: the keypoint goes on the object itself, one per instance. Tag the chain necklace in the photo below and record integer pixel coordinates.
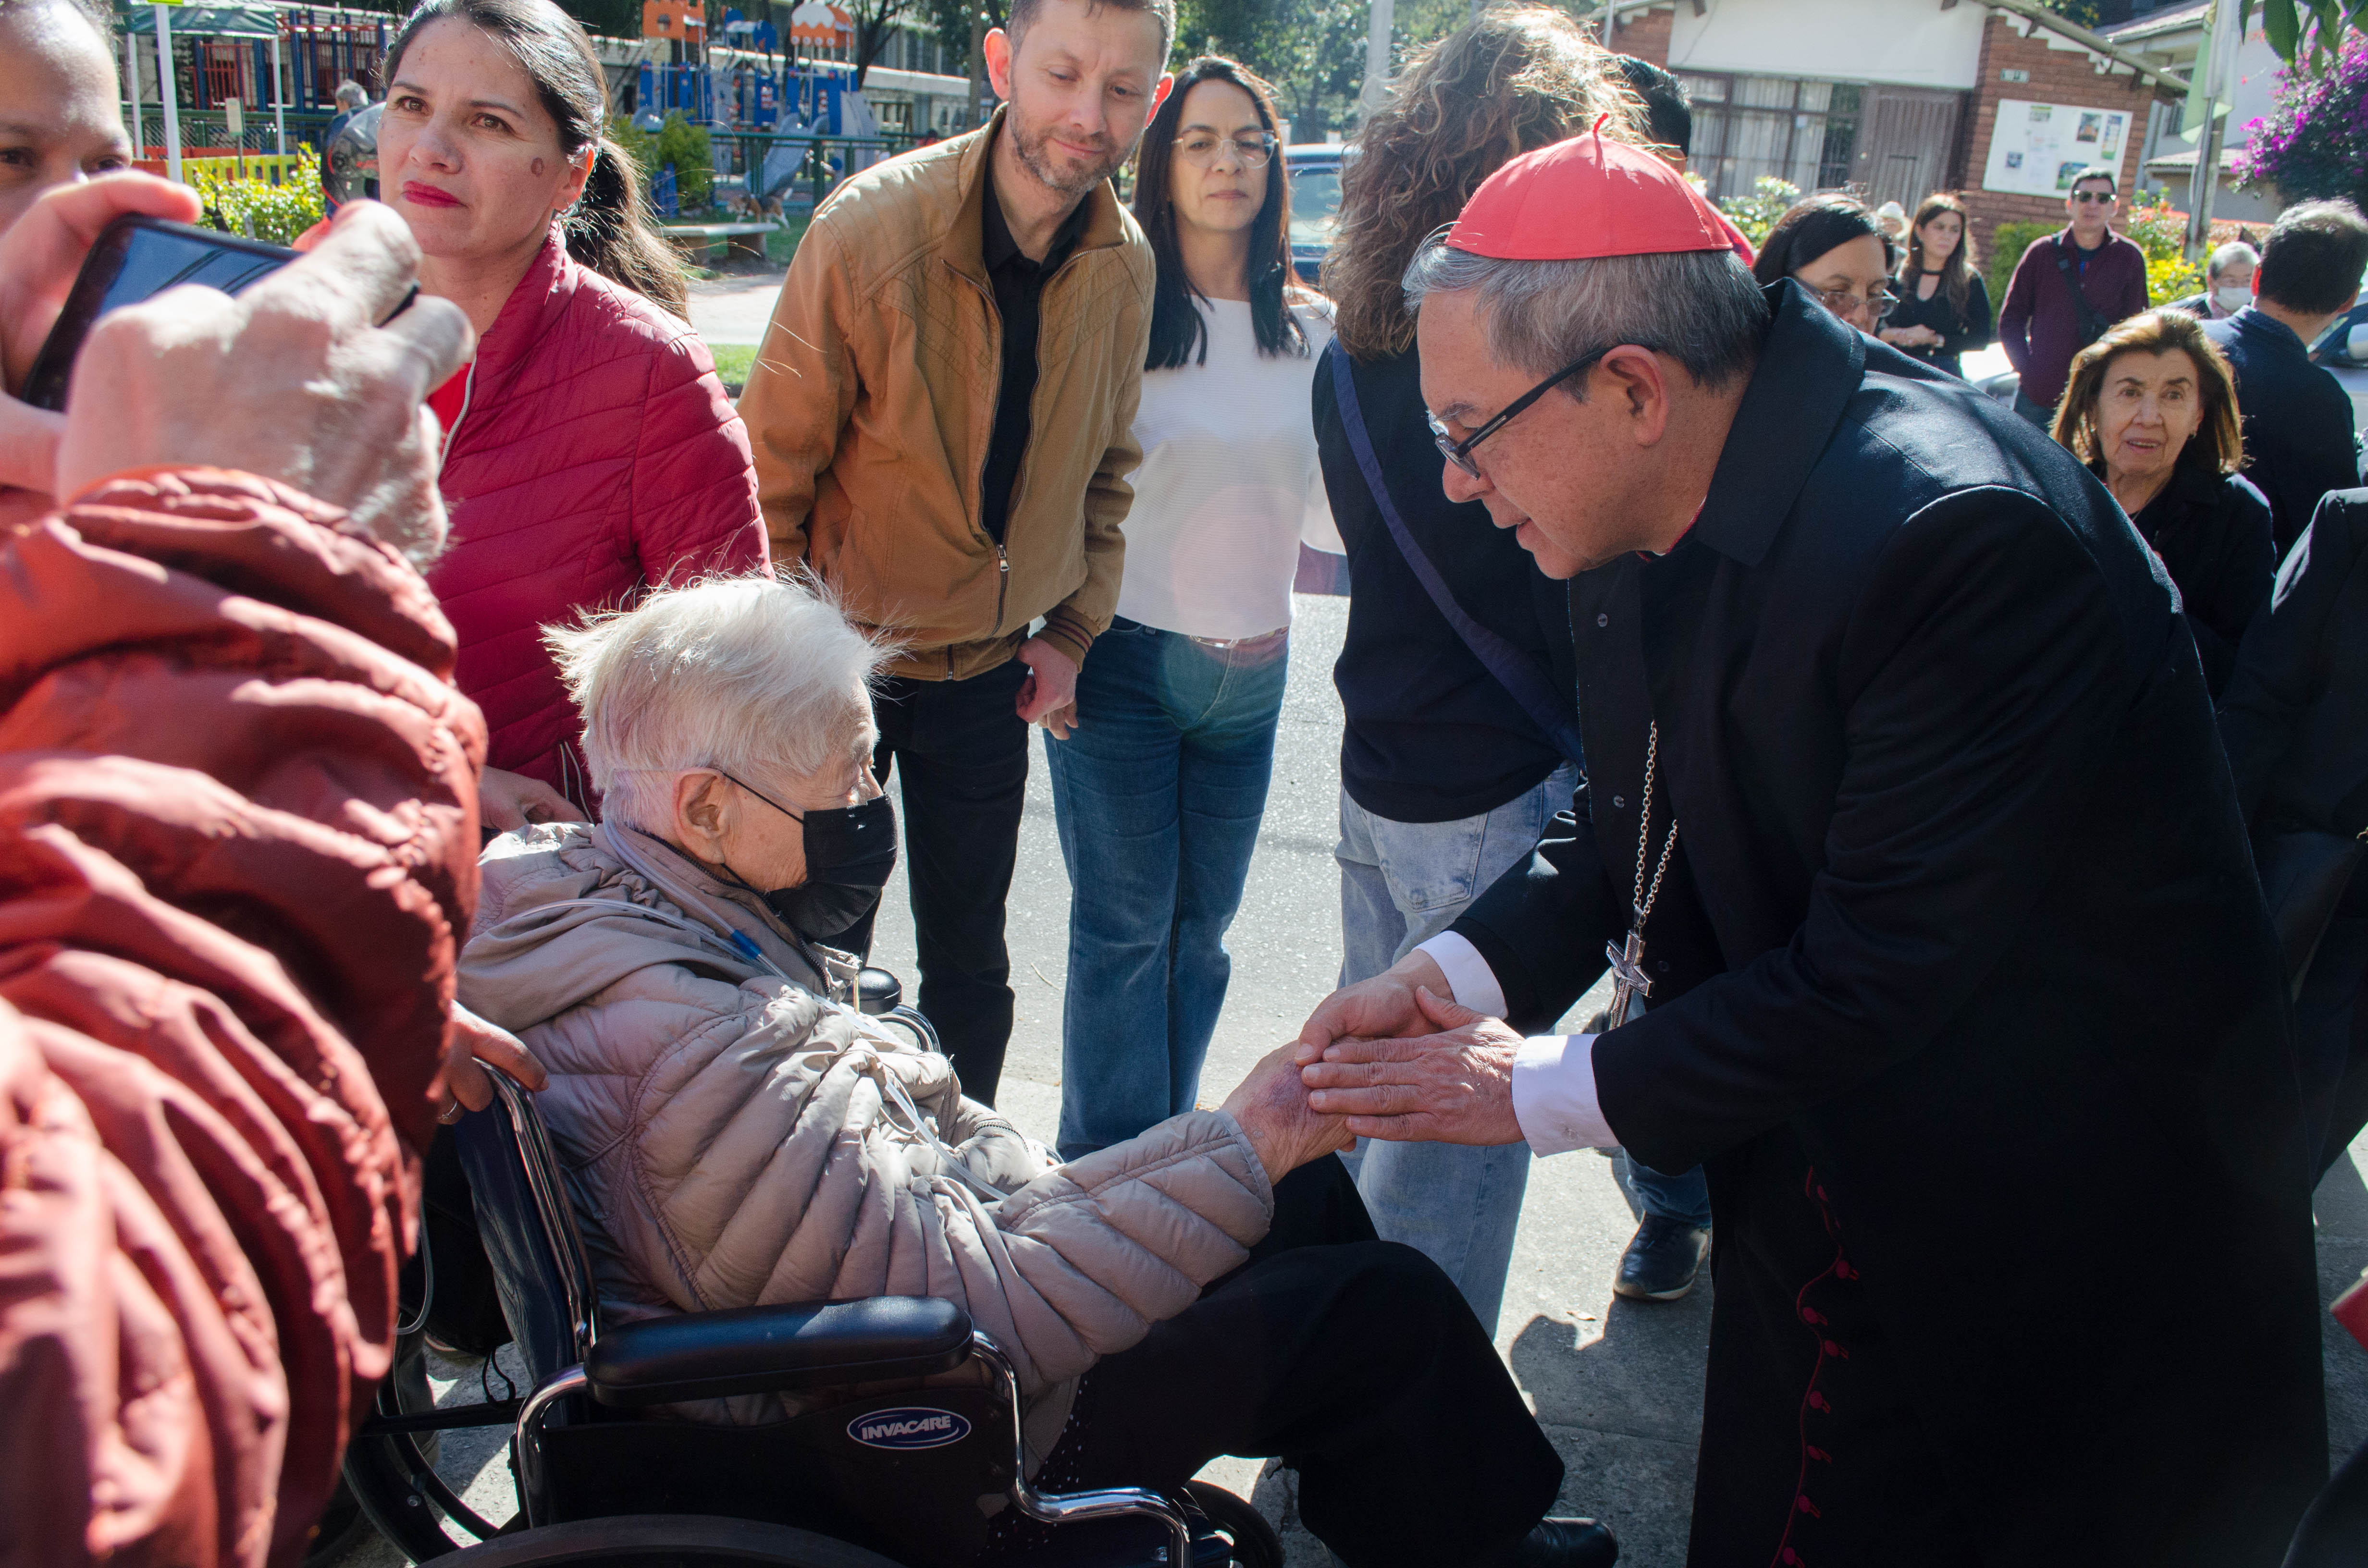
(1629, 984)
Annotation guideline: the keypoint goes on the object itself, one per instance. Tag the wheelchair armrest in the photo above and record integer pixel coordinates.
(776, 1349)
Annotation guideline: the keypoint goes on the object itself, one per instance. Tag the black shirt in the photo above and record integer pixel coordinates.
(1960, 333)
(2297, 419)
(2212, 531)
(1018, 291)
(1431, 735)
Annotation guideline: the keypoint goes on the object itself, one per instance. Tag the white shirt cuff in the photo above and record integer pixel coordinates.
(1554, 1094)
(1472, 982)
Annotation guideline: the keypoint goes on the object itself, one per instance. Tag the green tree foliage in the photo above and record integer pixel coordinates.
(606, 18)
(1312, 50)
(2312, 31)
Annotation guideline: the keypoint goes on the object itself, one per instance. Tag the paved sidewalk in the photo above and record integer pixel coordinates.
(733, 308)
(1618, 1386)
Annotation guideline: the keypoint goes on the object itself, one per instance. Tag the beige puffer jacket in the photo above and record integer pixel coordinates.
(732, 1138)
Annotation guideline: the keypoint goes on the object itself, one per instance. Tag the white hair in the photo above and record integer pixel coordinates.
(352, 96)
(2234, 250)
(752, 674)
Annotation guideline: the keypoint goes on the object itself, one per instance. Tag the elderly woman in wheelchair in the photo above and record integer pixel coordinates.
(733, 1132)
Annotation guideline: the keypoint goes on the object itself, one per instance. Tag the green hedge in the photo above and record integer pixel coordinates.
(2007, 245)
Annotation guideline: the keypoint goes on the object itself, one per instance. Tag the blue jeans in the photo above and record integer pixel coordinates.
(1401, 884)
(1683, 1197)
(1157, 794)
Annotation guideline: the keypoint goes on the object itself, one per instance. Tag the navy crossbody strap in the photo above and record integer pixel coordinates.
(1512, 667)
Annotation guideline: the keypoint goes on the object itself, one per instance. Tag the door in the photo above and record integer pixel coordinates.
(1905, 138)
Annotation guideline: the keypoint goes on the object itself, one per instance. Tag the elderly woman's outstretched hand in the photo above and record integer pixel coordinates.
(1272, 1106)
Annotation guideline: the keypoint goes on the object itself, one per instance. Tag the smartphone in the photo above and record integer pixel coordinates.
(134, 257)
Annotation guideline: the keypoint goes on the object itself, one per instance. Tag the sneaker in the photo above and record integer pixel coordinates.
(1563, 1543)
(1661, 1262)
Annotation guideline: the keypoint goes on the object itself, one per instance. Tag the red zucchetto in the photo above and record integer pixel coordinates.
(1585, 197)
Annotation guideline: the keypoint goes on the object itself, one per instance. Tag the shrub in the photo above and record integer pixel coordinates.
(1756, 213)
(682, 143)
(2314, 142)
(2161, 233)
(2008, 243)
(277, 213)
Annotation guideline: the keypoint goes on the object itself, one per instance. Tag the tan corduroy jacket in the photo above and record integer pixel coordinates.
(872, 401)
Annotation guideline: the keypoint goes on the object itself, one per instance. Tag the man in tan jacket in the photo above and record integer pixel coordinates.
(941, 417)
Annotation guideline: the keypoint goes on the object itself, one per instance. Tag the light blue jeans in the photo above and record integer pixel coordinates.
(1157, 795)
(1401, 884)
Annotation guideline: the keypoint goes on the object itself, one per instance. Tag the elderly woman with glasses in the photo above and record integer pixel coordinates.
(735, 1132)
(2152, 410)
(1832, 246)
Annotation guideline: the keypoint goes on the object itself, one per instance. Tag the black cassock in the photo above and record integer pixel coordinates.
(1963, 991)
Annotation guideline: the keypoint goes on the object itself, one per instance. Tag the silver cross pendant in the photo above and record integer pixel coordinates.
(1629, 984)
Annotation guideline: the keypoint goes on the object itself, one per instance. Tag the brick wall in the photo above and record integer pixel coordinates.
(1645, 34)
(2057, 76)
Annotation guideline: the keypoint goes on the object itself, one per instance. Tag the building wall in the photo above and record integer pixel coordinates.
(1909, 43)
(1645, 34)
(2056, 71)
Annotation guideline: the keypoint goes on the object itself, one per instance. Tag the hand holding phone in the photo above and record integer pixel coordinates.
(292, 381)
(39, 258)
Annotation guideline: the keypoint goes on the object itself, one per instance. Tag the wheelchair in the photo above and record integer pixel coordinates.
(910, 1419)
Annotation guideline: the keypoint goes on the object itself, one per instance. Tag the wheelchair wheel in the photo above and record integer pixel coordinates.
(1255, 1543)
(667, 1540)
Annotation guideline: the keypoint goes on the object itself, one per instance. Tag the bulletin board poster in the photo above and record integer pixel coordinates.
(2040, 149)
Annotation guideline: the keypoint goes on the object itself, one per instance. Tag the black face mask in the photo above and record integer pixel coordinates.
(849, 852)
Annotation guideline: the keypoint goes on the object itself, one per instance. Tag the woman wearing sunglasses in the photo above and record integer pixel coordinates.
(1832, 246)
(1159, 788)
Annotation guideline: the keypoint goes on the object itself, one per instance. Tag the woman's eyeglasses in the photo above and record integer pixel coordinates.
(1200, 149)
(1846, 303)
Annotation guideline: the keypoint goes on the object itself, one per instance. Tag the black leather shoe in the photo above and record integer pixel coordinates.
(1563, 1543)
(1661, 1262)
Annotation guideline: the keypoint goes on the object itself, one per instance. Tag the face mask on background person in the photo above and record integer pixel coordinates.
(2233, 298)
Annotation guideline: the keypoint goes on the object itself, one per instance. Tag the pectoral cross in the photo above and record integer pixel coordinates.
(1629, 984)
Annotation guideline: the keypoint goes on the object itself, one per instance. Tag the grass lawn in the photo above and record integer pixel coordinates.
(732, 362)
(782, 242)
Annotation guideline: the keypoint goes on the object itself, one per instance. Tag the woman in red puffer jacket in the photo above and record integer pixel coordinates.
(590, 453)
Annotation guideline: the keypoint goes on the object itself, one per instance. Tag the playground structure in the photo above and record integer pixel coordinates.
(244, 86)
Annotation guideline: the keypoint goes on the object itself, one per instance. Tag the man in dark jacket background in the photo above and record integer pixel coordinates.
(1904, 791)
(2067, 289)
(2297, 418)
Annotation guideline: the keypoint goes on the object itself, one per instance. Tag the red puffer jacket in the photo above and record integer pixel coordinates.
(594, 456)
(238, 839)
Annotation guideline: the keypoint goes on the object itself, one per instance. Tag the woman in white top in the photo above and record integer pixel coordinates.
(1159, 788)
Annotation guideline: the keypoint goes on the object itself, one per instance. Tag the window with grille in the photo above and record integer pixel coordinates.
(1748, 126)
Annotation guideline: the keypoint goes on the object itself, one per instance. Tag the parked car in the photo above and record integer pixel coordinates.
(2343, 350)
(1315, 202)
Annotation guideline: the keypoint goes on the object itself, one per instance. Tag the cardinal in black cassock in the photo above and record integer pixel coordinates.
(1956, 977)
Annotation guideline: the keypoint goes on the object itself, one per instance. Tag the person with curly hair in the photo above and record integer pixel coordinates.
(1446, 774)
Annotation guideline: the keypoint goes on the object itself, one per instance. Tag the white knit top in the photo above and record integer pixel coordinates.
(1229, 483)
